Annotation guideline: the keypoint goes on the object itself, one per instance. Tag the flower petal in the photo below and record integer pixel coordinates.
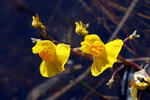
(85, 47)
(134, 92)
(112, 50)
(62, 53)
(99, 65)
(49, 69)
(88, 41)
(108, 58)
(40, 45)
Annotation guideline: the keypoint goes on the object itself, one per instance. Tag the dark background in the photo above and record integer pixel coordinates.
(19, 68)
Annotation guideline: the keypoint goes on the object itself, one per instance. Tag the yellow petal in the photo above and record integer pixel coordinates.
(85, 47)
(138, 77)
(88, 42)
(40, 45)
(81, 28)
(112, 50)
(97, 49)
(62, 53)
(80, 22)
(92, 38)
(49, 69)
(147, 79)
(134, 92)
(142, 86)
(108, 58)
(47, 55)
(99, 65)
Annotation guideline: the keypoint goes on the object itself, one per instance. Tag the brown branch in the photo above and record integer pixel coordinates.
(124, 19)
(129, 49)
(117, 70)
(54, 11)
(129, 63)
(104, 10)
(123, 9)
(89, 93)
(103, 96)
(42, 88)
(81, 54)
(21, 7)
(139, 59)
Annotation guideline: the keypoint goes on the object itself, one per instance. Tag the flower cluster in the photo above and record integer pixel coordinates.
(55, 56)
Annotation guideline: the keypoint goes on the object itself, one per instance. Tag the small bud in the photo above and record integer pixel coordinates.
(110, 82)
(86, 25)
(35, 40)
(36, 23)
(81, 28)
(134, 35)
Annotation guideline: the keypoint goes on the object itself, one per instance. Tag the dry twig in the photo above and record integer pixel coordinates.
(124, 19)
(67, 87)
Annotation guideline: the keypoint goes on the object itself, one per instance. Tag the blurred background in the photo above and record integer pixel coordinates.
(20, 78)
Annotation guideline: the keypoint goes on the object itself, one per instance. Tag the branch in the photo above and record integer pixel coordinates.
(67, 87)
(124, 19)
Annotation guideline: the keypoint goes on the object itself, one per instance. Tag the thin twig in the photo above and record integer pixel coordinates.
(129, 63)
(117, 70)
(104, 10)
(129, 49)
(67, 87)
(54, 11)
(139, 59)
(89, 93)
(124, 19)
(105, 97)
(123, 9)
(102, 96)
(42, 88)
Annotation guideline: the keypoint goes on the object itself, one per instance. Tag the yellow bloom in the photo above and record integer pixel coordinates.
(104, 55)
(139, 82)
(81, 28)
(140, 79)
(36, 23)
(54, 57)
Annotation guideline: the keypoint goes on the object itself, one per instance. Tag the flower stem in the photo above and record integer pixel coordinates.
(117, 70)
(81, 54)
(129, 63)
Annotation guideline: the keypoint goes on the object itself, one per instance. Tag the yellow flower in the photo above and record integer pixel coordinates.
(140, 81)
(81, 28)
(36, 23)
(104, 55)
(54, 57)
